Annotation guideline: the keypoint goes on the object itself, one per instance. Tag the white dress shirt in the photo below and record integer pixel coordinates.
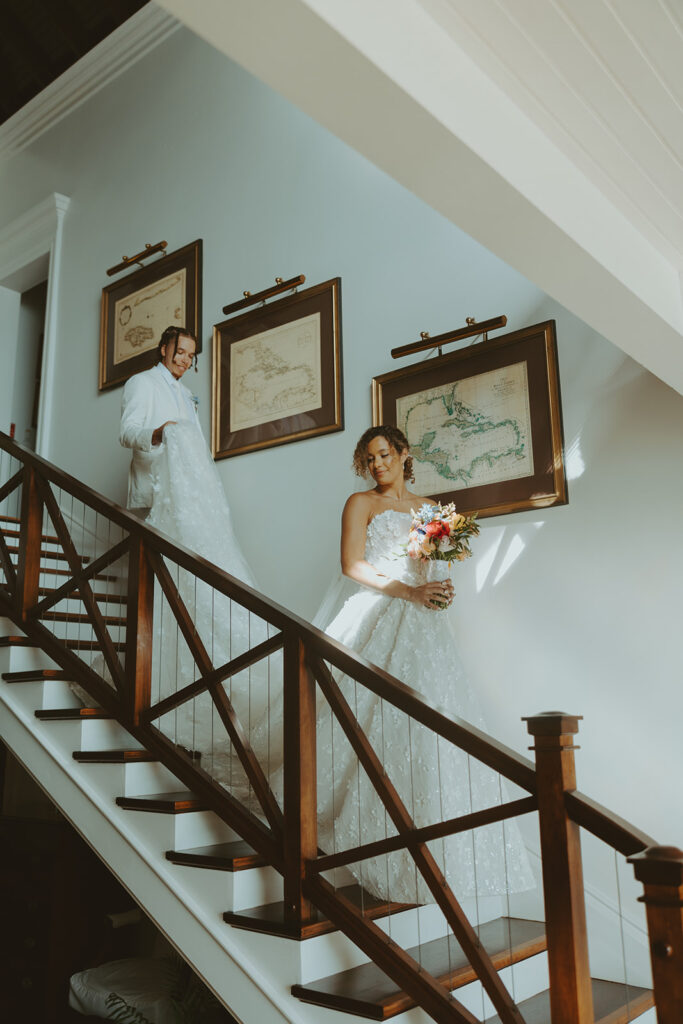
(149, 399)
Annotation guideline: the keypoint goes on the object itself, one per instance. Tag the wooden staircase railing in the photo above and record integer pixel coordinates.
(312, 663)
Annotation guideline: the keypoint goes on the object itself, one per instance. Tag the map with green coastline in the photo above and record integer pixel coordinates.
(469, 433)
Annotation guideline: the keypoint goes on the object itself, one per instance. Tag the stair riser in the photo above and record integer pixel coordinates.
(523, 980)
(24, 659)
(57, 694)
(89, 734)
(230, 890)
(164, 832)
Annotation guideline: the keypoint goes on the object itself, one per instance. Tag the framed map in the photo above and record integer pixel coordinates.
(277, 372)
(137, 308)
(484, 423)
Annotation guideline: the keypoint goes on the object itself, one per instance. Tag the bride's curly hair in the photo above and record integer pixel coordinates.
(397, 440)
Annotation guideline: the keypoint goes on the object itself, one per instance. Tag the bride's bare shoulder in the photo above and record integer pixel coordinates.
(359, 505)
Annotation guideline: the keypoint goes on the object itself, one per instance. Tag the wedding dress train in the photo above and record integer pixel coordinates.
(435, 780)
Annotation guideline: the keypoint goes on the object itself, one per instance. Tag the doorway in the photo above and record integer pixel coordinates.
(28, 364)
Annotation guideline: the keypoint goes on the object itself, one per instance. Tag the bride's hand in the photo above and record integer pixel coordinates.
(435, 595)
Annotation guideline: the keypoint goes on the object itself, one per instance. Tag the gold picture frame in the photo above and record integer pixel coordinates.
(277, 373)
(138, 307)
(484, 423)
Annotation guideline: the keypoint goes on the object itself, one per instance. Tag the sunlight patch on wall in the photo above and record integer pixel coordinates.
(574, 466)
(517, 545)
(485, 561)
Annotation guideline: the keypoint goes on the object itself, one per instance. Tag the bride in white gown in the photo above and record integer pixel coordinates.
(395, 620)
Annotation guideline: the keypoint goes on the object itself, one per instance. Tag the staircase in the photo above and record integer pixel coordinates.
(209, 874)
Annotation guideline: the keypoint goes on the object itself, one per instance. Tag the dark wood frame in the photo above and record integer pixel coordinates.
(535, 345)
(188, 258)
(323, 298)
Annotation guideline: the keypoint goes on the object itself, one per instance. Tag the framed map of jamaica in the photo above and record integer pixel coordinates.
(138, 307)
(277, 372)
(484, 423)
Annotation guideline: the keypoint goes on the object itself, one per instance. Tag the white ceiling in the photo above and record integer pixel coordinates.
(549, 130)
(603, 79)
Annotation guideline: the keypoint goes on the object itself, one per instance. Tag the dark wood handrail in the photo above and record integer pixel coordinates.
(600, 821)
(496, 755)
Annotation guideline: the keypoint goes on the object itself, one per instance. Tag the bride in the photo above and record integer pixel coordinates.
(396, 619)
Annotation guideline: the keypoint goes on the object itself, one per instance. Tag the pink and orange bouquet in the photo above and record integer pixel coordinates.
(439, 532)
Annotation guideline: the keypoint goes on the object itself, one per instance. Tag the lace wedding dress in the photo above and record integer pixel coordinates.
(435, 780)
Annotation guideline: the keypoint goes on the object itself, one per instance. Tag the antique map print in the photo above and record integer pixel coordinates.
(469, 433)
(276, 373)
(140, 318)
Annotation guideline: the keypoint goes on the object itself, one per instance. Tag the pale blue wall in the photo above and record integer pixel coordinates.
(586, 616)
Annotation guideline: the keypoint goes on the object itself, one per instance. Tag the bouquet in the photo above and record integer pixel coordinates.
(440, 533)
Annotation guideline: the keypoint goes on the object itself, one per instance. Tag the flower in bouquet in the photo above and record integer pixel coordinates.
(440, 533)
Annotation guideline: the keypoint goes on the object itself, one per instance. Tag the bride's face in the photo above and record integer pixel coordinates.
(385, 464)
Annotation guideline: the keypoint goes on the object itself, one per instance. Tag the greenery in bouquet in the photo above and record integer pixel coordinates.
(440, 533)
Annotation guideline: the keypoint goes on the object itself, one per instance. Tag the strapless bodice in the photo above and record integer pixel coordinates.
(385, 547)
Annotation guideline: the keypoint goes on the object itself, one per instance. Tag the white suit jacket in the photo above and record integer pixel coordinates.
(149, 399)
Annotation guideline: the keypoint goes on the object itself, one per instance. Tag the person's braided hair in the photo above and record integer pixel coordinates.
(396, 439)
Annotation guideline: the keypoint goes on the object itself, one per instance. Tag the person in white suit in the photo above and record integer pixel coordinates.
(151, 400)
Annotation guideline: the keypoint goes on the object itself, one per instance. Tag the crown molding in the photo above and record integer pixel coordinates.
(126, 45)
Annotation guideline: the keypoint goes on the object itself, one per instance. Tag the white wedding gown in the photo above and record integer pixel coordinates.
(435, 780)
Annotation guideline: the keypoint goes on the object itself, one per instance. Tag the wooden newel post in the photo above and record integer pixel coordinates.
(300, 781)
(660, 869)
(571, 997)
(139, 630)
(30, 538)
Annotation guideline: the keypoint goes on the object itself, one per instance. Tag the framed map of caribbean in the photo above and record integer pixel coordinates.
(484, 423)
(137, 308)
(277, 372)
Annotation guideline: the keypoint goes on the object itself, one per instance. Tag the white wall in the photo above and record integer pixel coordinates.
(187, 145)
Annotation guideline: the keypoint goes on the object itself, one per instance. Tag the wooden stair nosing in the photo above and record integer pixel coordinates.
(271, 920)
(368, 992)
(56, 556)
(127, 756)
(46, 538)
(75, 596)
(34, 675)
(610, 1004)
(235, 856)
(71, 714)
(89, 645)
(109, 620)
(163, 803)
(14, 640)
(49, 571)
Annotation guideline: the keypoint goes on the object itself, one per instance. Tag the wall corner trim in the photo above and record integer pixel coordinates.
(126, 45)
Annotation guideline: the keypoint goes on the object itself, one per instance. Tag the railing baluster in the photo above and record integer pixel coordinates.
(139, 630)
(571, 996)
(300, 780)
(30, 536)
(660, 869)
